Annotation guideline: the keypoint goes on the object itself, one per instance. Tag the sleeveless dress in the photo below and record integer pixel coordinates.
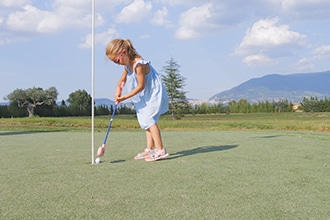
(152, 101)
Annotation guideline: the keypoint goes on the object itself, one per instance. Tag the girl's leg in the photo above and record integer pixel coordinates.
(150, 141)
(149, 149)
(154, 132)
(160, 151)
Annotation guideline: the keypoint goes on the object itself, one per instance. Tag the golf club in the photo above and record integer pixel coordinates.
(101, 149)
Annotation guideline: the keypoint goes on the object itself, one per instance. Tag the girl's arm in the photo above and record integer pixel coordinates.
(118, 89)
(141, 71)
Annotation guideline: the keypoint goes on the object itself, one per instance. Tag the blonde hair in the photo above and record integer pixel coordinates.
(116, 46)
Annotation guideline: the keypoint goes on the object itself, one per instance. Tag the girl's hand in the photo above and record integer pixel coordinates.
(119, 98)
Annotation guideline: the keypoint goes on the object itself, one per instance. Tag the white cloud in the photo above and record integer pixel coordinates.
(134, 12)
(160, 17)
(101, 6)
(14, 3)
(318, 54)
(304, 4)
(73, 3)
(5, 40)
(46, 18)
(304, 64)
(32, 19)
(266, 34)
(196, 22)
(270, 39)
(322, 50)
(258, 60)
(100, 38)
(76, 18)
(182, 2)
(307, 9)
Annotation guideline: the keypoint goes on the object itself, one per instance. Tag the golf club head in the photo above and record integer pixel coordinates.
(100, 150)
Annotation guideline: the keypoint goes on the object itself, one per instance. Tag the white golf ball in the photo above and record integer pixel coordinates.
(97, 160)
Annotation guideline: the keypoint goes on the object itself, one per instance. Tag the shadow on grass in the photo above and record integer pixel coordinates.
(200, 150)
(117, 161)
(269, 136)
(9, 133)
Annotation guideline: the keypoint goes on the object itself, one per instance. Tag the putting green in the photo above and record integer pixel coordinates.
(208, 175)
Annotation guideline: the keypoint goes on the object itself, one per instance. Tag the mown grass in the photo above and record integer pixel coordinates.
(210, 174)
(237, 166)
(266, 121)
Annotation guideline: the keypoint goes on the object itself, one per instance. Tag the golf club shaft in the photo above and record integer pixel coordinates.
(112, 116)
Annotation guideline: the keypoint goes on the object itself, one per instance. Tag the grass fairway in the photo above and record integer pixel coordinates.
(209, 175)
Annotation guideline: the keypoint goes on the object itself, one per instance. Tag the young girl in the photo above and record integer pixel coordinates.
(147, 92)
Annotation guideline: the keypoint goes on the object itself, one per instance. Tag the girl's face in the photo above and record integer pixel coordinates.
(120, 59)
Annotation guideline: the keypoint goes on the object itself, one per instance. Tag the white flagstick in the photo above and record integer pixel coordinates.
(93, 49)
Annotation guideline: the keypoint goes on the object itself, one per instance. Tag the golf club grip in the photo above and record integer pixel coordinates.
(121, 89)
(112, 116)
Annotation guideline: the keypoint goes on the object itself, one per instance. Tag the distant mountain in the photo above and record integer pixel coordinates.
(59, 103)
(98, 102)
(293, 87)
(103, 101)
(108, 102)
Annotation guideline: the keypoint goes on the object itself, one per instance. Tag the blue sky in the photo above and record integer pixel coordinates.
(218, 43)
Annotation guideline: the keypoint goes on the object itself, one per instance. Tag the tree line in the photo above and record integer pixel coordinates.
(43, 102)
(80, 104)
(37, 101)
(79, 107)
(313, 104)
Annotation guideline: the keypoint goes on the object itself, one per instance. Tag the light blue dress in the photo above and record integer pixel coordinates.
(152, 101)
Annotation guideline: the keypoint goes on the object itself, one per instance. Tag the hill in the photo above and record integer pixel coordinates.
(274, 87)
(103, 101)
(98, 102)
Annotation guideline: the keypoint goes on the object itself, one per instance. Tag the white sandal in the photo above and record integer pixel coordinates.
(157, 155)
(141, 156)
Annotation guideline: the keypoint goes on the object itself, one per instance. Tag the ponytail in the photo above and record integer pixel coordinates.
(117, 45)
